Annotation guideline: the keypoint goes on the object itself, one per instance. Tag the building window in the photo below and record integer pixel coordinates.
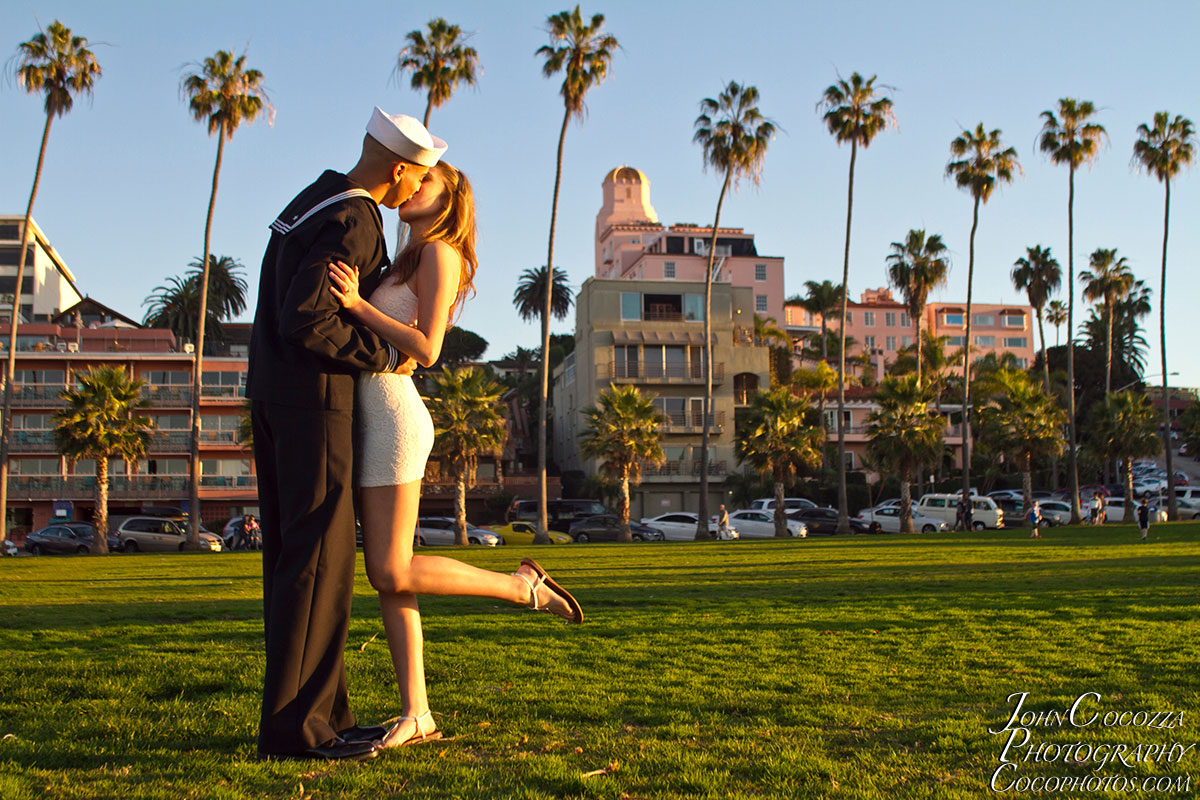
(849, 317)
(1015, 341)
(906, 341)
(890, 343)
(889, 319)
(745, 386)
(904, 320)
(631, 306)
(1023, 363)
(849, 460)
(985, 341)
(167, 377)
(953, 319)
(760, 272)
(868, 318)
(869, 341)
(1013, 320)
(693, 307)
(760, 303)
(41, 377)
(35, 466)
(669, 269)
(957, 341)
(625, 361)
(987, 320)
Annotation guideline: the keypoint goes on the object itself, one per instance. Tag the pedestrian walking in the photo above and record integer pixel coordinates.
(1035, 520)
(1143, 515)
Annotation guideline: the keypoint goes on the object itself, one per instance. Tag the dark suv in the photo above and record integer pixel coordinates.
(560, 514)
(607, 527)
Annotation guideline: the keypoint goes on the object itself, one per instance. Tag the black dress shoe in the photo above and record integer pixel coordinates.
(337, 750)
(363, 733)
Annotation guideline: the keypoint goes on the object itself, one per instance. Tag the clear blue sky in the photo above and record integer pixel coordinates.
(126, 183)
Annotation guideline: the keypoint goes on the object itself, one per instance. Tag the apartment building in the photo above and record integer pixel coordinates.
(631, 244)
(47, 285)
(650, 334)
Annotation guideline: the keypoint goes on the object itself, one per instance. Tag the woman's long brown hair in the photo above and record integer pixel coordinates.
(455, 226)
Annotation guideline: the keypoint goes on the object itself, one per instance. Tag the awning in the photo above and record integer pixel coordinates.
(659, 337)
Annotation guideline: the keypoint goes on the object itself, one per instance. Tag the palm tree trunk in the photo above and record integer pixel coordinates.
(966, 409)
(100, 541)
(1129, 512)
(843, 524)
(542, 536)
(460, 508)
(821, 400)
(1027, 482)
(1172, 507)
(920, 349)
(906, 520)
(1108, 312)
(428, 110)
(10, 371)
(780, 517)
(193, 538)
(1072, 454)
(702, 531)
(624, 534)
(1045, 361)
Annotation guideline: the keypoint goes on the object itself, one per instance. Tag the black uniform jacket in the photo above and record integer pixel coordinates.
(305, 350)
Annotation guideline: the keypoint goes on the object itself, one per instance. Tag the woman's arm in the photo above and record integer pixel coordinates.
(437, 285)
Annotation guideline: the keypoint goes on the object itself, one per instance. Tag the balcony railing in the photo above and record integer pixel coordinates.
(232, 393)
(167, 396)
(33, 442)
(83, 487)
(171, 441)
(831, 428)
(681, 468)
(38, 394)
(222, 438)
(691, 421)
(657, 373)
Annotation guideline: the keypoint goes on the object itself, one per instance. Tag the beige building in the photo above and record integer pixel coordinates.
(48, 286)
(651, 334)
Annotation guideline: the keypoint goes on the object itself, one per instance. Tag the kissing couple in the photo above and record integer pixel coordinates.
(338, 330)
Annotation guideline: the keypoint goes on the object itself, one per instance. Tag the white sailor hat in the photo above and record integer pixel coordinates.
(406, 137)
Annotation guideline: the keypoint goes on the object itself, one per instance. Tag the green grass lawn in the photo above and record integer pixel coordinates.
(858, 667)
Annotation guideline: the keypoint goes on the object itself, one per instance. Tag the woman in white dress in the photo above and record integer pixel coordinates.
(411, 309)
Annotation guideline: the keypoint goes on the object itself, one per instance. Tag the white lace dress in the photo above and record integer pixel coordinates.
(395, 432)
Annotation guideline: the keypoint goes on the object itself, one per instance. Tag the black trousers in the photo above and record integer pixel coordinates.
(304, 459)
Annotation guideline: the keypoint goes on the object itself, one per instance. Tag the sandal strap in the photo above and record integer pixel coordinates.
(533, 585)
(417, 721)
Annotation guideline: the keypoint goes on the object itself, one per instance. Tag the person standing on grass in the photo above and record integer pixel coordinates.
(1143, 514)
(723, 523)
(1035, 520)
(1096, 508)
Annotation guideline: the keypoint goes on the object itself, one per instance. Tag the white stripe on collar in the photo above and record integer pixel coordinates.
(282, 227)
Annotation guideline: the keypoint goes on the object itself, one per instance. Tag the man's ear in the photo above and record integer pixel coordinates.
(398, 172)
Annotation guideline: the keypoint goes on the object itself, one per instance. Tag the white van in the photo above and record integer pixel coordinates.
(984, 511)
(768, 503)
(1191, 493)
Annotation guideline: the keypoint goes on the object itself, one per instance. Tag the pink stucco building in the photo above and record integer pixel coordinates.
(632, 244)
(881, 324)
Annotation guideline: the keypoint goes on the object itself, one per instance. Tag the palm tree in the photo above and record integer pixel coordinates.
(1163, 150)
(855, 113)
(222, 94)
(768, 332)
(1124, 429)
(57, 64)
(622, 430)
(979, 162)
(467, 423)
(100, 421)
(176, 305)
(734, 136)
(530, 295)
(1109, 281)
(917, 266)
(438, 61)
(1020, 420)
(822, 299)
(1071, 138)
(1038, 274)
(778, 439)
(583, 53)
(1056, 315)
(904, 434)
(226, 285)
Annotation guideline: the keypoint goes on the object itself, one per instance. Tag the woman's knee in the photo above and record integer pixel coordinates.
(391, 577)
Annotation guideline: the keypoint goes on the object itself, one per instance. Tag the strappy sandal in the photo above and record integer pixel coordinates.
(418, 737)
(543, 579)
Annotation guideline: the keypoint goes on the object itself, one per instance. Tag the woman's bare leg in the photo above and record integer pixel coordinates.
(389, 518)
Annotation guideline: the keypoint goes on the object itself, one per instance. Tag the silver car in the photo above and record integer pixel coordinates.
(440, 531)
(156, 534)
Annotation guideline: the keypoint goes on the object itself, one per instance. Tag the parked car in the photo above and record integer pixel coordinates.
(1181, 479)
(560, 514)
(1147, 487)
(65, 537)
(523, 533)
(753, 524)
(1190, 493)
(1188, 509)
(9, 549)
(607, 527)
(768, 504)
(1055, 512)
(889, 520)
(1042, 494)
(823, 521)
(1114, 511)
(434, 531)
(984, 511)
(680, 526)
(1007, 494)
(156, 534)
